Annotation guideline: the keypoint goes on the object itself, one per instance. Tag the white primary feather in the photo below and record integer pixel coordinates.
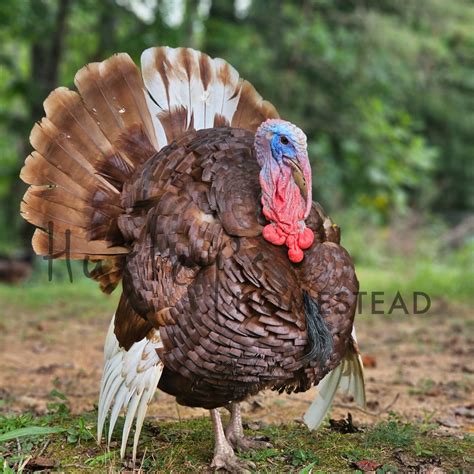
(348, 376)
(128, 384)
(187, 89)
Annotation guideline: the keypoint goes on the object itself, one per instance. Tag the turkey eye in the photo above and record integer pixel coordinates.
(284, 141)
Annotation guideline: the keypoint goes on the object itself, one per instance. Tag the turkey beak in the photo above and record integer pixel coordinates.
(298, 176)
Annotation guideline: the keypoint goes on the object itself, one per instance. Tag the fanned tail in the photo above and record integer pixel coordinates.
(92, 142)
(348, 376)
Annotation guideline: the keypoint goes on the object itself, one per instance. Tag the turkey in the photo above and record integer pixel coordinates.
(184, 186)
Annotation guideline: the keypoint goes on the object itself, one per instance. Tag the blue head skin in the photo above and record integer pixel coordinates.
(281, 150)
(282, 144)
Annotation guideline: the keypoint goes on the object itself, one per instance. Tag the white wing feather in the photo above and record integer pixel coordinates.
(128, 384)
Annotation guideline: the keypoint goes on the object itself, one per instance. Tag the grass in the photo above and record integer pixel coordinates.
(58, 297)
(186, 446)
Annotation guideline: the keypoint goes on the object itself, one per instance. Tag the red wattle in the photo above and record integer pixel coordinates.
(271, 235)
(295, 254)
(296, 243)
(291, 241)
(305, 239)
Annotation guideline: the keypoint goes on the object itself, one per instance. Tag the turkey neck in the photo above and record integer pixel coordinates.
(282, 201)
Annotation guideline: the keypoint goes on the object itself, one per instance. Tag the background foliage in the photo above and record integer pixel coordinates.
(383, 88)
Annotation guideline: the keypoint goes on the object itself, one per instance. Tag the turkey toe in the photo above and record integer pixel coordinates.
(248, 443)
(231, 463)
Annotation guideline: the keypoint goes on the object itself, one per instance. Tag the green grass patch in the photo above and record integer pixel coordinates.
(58, 297)
(408, 258)
(439, 281)
(186, 446)
(391, 433)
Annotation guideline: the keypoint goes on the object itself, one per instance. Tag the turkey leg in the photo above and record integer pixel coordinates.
(224, 455)
(235, 432)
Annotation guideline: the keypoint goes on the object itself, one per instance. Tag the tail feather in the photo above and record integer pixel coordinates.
(67, 153)
(38, 171)
(108, 273)
(187, 89)
(81, 161)
(352, 380)
(348, 376)
(63, 243)
(326, 391)
(252, 110)
(66, 110)
(113, 94)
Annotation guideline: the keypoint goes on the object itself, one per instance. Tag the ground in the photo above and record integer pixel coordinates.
(419, 378)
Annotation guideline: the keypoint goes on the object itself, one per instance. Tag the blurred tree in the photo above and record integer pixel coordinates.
(44, 44)
(361, 81)
(40, 28)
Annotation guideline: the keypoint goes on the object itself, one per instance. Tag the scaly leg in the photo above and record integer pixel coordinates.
(224, 456)
(235, 432)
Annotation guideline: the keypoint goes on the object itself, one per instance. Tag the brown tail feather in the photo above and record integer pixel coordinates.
(66, 110)
(108, 273)
(252, 109)
(113, 93)
(38, 171)
(64, 242)
(65, 153)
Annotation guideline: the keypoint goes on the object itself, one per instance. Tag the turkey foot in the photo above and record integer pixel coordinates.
(224, 456)
(235, 433)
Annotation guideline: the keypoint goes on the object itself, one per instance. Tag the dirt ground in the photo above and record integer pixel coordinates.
(421, 367)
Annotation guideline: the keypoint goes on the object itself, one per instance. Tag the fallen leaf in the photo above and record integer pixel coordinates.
(373, 404)
(252, 425)
(344, 425)
(434, 392)
(429, 469)
(39, 463)
(448, 422)
(366, 466)
(369, 361)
